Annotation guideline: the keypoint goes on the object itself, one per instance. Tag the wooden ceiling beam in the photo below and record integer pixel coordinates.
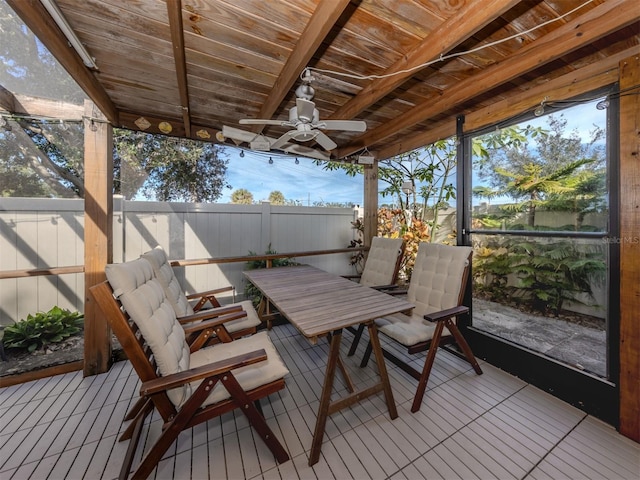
(323, 19)
(578, 82)
(449, 34)
(596, 23)
(42, 25)
(174, 9)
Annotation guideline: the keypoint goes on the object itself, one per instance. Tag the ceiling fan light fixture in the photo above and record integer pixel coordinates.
(305, 91)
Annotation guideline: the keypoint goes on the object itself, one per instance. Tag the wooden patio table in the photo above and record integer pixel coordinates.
(320, 304)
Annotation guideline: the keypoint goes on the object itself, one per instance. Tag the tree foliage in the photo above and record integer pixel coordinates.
(28, 67)
(545, 169)
(277, 198)
(168, 168)
(41, 158)
(242, 196)
(45, 159)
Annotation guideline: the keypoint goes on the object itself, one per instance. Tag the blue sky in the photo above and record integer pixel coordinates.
(304, 181)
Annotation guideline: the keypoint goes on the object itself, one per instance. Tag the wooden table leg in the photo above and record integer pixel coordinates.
(382, 370)
(325, 397)
(345, 374)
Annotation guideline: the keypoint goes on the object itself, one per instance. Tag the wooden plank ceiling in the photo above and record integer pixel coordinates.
(201, 64)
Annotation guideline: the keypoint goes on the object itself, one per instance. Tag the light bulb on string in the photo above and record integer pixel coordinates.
(270, 161)
(540, 110)
(241, 153)
(297, 161)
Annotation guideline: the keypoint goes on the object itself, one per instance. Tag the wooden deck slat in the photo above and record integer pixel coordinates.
(488, 426)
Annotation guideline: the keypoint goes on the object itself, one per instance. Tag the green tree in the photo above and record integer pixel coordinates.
(242, 196)
(46, 159)
(277, 198)
(534, 188)
(545, 169)
(421, 182)
(168, 168)
(28, 67)
(41, 158)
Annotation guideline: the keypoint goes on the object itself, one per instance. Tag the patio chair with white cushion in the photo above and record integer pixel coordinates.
(180, 301)
(437, 290)
(187, 385)
(380, 272)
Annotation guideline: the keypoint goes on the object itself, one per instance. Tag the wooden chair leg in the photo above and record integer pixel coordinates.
(356, 340)
(462, 343)
(426, 371)
(256, 420)
(131, 414)
(146, 407)
(131, 449)
(173, 428)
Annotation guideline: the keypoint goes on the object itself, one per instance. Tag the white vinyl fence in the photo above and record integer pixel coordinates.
(41, 233)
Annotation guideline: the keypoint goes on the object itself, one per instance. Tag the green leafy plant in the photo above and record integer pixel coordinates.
(43, 328)
(250, 291)
(492, 265)
(553, 273)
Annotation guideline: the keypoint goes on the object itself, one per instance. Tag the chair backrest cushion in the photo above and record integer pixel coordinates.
(144, 300)
(382, 262)
(165, 275)
(437, 278)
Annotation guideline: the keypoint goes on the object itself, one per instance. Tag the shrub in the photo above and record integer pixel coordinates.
(43, 328)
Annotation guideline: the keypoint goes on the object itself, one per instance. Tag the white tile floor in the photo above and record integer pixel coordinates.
(488, 426)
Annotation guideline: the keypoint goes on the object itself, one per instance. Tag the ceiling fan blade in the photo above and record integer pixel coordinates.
(305, 109)
(304, 151)
(260, 121)
(325, 142)
(344, 125)
(283, 139)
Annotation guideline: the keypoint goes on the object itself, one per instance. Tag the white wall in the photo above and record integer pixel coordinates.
(40, 233)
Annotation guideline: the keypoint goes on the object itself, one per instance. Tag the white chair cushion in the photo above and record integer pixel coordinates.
(250, 321)
(437, 277)
(435, 285)
(249, 377)
(167, 278)
(381, 262)
(177, 298)
(144, 299)
(408, 329)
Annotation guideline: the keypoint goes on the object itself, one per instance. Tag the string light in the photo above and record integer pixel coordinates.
(241, 153)
(297, 161)
(270, 161)
(540, 110)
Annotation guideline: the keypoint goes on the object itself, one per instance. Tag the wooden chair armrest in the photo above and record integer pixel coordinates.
(350, 277)
(174, 380)
(210, 293)
(387, 288)
(397, 291)
(195, 327)
(211, 313)
(444, 314)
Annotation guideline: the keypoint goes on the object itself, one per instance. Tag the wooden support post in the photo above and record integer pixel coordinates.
(370, 202)
(98, 234)
(629, 250)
